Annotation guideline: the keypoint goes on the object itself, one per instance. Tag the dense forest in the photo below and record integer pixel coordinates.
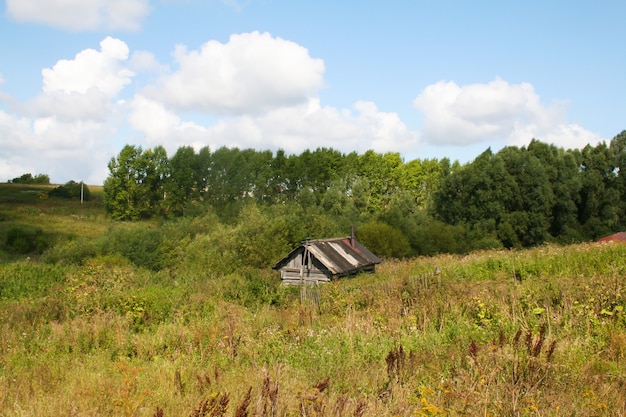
(517, 197)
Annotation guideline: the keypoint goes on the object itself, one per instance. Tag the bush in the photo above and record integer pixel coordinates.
(251, 287)
(71, 189)
(437, 237)
(21, 280)
(73, 252)
(60, 192)
(25, 239)
(139, 243)
(384, 240)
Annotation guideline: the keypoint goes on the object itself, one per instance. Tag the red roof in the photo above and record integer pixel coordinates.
(617, 237)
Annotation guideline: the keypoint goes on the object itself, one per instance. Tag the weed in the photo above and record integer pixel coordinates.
(242, 409)
(400, 365)
(127, 398)
(178, 382)
(314, 401)
(214, 406)
(268, 400)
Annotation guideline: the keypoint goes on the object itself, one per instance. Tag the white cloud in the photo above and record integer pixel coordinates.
(64, 151)
(91, 105)
(81, 14)
(294, 129)
(252, 72)
(160, 126)
(67, 131)
(497, 110)
(309, 125)
(101, 70)
(145, 61)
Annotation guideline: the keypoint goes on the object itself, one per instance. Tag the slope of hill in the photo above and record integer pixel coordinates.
(534, 332)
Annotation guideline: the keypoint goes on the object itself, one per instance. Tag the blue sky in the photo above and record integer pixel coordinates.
(79, 79)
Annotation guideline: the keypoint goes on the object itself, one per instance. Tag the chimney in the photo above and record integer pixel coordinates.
(352, 238)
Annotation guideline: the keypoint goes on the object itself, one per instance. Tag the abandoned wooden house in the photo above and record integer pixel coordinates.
(324, 260)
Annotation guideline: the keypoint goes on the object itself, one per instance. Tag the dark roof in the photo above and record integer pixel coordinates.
(339, 255)
(617, 237)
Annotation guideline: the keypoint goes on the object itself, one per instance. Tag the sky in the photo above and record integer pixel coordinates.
(80, 79)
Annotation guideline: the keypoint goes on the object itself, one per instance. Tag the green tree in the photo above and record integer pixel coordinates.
(618, 149)
(421, 179)
(477, 196)
(153, 175)
(382, 172)
(134, 187)
(599, 203)
(202, 167)
(529, 212)
(121, 196)
(41, 179)
(181, 184)
(260, 175)
(23, 179)
(225, 175)
(384, 240)
(562, 170)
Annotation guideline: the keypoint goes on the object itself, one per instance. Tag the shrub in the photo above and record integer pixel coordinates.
(73, 251)
(139, 243)
(26, 239)
(384, 240)
(60, 192)
(71, 189)
(28, 280)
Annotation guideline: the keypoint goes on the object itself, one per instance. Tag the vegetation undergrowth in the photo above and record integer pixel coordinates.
(186, 318)
(533, 332)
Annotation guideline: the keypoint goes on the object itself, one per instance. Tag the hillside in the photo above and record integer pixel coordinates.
(157, 319)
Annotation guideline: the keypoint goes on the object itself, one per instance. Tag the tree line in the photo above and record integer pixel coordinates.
(517, 197)
(28, 178)
(146, 183)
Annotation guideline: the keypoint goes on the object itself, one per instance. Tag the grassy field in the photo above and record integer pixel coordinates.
(539, 332)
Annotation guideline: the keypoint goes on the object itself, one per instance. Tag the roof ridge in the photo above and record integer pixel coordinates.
(327, 239)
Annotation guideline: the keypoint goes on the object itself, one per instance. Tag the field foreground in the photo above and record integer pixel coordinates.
(538, 332)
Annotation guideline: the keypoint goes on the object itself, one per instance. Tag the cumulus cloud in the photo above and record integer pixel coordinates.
(145, 61)
(296, 128)
(161, 126)
(91, 105)
(63, 150)
(81, 14)
(252, 72)
(460, 115)
(67, 130)
(101, 70)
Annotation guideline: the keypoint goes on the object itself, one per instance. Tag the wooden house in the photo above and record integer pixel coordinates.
(324, 260)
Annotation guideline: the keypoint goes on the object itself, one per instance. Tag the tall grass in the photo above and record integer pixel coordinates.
(536, 332)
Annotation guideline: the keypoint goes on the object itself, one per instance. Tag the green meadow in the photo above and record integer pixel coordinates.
(163, 318)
